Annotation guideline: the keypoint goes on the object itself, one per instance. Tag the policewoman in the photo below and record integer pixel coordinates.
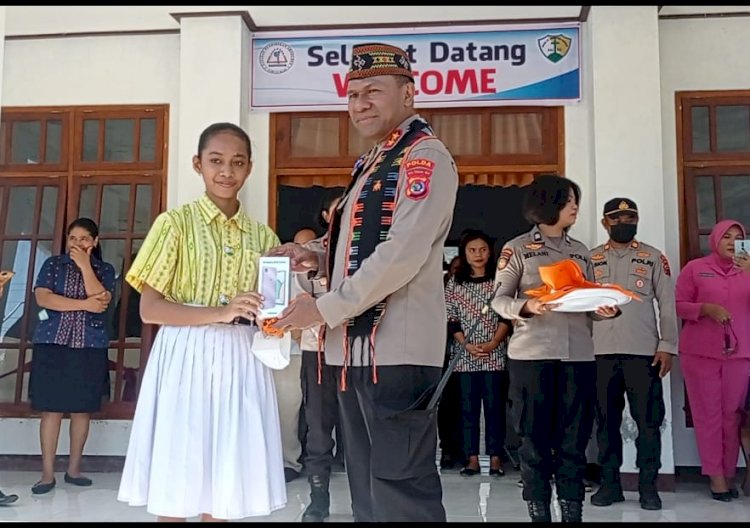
(551, 366)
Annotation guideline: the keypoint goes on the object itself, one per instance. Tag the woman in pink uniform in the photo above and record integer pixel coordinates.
(713, 300)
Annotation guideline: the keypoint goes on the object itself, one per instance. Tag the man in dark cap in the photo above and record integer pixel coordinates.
(633, 353)
(384, 313)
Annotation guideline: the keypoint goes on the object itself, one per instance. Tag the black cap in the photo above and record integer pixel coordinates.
(620, 205)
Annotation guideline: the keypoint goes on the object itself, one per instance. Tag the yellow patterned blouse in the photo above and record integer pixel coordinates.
(193, 254)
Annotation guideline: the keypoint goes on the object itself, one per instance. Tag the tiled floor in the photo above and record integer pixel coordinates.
(475, 499)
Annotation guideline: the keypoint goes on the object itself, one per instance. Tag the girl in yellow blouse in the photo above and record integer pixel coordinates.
(205, 438)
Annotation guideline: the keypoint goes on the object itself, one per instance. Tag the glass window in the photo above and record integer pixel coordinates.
(25, 142)
(701, 132)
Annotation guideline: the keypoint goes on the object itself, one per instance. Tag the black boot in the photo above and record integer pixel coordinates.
(571, 510)
(320, 500)
(610, 490)
(539, 511)
(649, 497)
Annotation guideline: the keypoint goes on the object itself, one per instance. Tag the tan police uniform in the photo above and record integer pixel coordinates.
(551, 367)
(407, 268)
(555, 335)
(625, 349)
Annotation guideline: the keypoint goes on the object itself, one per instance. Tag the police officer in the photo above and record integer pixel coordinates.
(633, 353)
(384, 309)
(551, 366)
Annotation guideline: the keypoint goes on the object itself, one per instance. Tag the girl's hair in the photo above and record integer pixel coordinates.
(89, 225)
(546, 197)
(464, 270)
(218, 128)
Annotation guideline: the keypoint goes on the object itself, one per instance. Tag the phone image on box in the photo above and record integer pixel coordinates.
(268, 286)
(741, 246)
(280, 287)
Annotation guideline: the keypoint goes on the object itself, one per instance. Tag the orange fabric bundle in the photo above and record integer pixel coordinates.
(562, 278)
(268, 329)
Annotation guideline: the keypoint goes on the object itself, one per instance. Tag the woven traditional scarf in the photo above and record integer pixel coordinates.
(371, 218)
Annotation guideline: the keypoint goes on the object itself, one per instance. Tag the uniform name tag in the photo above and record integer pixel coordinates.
(43, 315)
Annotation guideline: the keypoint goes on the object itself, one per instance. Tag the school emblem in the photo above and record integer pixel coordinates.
(276, 57)
(554, 47)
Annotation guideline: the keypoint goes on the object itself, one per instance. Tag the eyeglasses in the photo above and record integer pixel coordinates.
(729, 333)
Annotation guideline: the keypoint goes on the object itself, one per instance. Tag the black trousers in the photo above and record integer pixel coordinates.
(449, 419)
(321, 414)
(491, 390)
(553, 415)
(390, 442)
(616, 376)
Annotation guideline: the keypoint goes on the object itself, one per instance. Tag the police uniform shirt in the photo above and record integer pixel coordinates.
(644, 270)
(554, 335)
(406, 268)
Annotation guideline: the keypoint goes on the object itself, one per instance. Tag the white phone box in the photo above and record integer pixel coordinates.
(274, 279)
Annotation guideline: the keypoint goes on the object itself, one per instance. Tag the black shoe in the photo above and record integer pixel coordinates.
(290, 474)
(539, 511)
(607, 494)
(320, 501)
(470, 472)
(499, 472)
(734, 493)
(41, 488)
(78, 481)
(723, 496)
(650, 500)
(7, 500)
(447, 462)
(571, 510)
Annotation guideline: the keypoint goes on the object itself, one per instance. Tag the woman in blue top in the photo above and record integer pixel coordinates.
(69, 363)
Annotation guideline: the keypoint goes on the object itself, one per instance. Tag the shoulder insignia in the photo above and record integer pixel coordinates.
(665, 266)
(505, 256)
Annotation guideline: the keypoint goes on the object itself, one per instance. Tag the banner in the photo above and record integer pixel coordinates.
(475, 66)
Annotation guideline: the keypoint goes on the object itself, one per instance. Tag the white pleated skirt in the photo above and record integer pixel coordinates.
(205, 436)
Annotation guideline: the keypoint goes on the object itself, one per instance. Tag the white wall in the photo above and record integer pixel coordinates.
(695, 54)
(96, 70)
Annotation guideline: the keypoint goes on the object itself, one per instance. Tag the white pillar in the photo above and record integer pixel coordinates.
(214, 86)
(2, 48)
(626, 114)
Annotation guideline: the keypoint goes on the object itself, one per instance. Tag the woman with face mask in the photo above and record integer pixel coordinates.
(69, 362)
(713, 300)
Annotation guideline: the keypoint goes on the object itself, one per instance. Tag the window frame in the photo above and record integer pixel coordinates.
(71, 177)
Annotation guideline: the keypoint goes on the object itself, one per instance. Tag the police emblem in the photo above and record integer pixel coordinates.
(417, 188)
(554, 47)
(639, 283)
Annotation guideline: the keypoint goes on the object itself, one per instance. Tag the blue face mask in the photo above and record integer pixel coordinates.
(623, 233)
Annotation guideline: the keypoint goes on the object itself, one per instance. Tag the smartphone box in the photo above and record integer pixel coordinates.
(741, 246)
(274, 279)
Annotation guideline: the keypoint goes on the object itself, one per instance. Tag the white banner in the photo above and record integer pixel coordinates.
(475, 66)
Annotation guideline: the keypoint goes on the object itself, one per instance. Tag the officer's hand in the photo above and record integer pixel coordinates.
(537, 307)
(301, 259)
(664, 359)
(718, 313)
(607, 311)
